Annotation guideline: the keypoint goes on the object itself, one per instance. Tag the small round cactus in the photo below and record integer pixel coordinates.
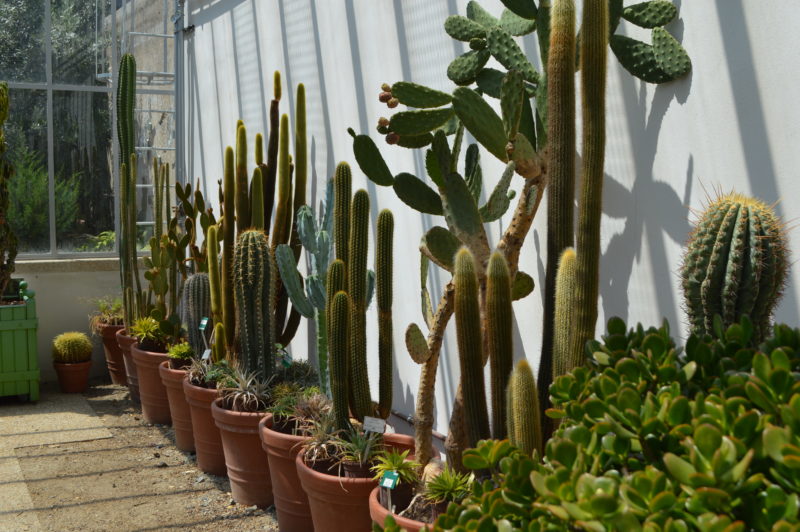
(735, 264)
(72, 347)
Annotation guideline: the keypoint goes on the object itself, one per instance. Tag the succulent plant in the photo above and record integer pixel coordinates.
(150, 334)
(72, 347)
(736, 263)
(8, 241)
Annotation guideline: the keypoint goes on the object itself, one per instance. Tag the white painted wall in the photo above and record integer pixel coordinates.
(734, 123)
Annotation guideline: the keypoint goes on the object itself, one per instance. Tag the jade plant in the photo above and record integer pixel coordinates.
(655, 437)
(736, 264)
(8, 241)
(71, 348)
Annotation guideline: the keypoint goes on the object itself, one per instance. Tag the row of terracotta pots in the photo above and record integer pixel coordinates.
(263, 465)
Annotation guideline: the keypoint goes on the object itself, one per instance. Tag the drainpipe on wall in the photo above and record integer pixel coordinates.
(180, 152)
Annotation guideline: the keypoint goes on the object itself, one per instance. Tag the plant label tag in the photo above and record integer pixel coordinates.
(389, 480)
(374, 424)
(206, 354)
(203, 324)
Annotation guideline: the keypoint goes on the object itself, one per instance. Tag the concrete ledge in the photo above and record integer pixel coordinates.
(104, 264)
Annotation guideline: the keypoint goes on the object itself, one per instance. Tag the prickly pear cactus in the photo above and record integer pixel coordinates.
(8, 241)
(735, 264)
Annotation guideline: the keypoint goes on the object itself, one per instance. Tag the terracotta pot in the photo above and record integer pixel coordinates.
(378, 513)
(338, 504)
(248, 468)
(291, 502)
(178, 407)
(73, 377)
(153, 394)
(125, 342)
(400, 442)
(114, 360)
(207, 441)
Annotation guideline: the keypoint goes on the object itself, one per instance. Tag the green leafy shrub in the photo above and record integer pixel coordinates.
(72, 347)
(655, 437)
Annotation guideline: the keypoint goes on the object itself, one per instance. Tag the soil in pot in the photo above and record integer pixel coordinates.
(207, 441)
(378, 511)
(291, 502)
(153, 394)
(125, 342)
(114, 359)
(356, 470)
(178, 407)
(248, 468)
(74, 377)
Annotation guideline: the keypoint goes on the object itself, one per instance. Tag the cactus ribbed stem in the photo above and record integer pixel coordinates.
(735, 264)
(215, 281)
(257, 200)
(524, 426)
(242, 188)
(594, 49)
(300, 150)
(283, 209)
(271, 169)
(565, 360)
(470, 344)
(338, 325)
(228, 244)
(357, 290)
(252, 279)
(259, 149)
(342, 190)
(383, 285)
(196, 305)
(499, 317)
(561, 168)
(218, 347)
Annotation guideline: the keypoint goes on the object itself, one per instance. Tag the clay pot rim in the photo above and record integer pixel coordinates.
(73, 364)
(402, 522)
(197, 391)
(165, 367)
(234, 417)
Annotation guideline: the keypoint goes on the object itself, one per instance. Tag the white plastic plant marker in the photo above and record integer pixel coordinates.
(206, 354)
(374, 424)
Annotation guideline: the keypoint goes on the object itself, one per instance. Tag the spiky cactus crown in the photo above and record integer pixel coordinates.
(71, 347)
(736, 263)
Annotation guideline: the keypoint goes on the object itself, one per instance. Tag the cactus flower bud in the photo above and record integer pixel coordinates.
(392, 103)
(386, 87)
(392, 138)
(385, 97)
(383, 122)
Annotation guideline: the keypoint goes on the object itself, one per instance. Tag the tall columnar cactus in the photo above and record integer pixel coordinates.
(594, 49)
(257, 200)
(252, 281)
(228, 245)
(383, 272)
(564, 359)
(357, 290)
(736, 263)
(342, 185)
(8, 241)
(499, 317)
(133, 298)
(561, 163)
(214, 277)
(470, 344)
(196, 305)
(270, 169)
(242, 189)
(338, 318)
(524, 415)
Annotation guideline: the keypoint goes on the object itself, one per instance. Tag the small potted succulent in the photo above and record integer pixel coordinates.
(148, 352)
(237, 413)
(105, 321)
(290, 422)
(383, 500)
(72, 359)
(446, 487)
(200, 389)
(173, 373)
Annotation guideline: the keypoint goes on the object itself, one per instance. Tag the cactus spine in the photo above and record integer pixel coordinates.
(252, 280)
(524, 417)
(196, 305)
(8, 241)
(383, 270)
(594, 49)
(357, 290)
(228, 244)
(499, 315)
(470, 342)
(564, 359)
(338, 326)
(561, 165)
(735, 264)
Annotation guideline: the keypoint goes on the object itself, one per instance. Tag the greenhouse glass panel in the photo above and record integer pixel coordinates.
(81, 38)
(22, 46)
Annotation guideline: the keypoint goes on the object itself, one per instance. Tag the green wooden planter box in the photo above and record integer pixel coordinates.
(19, 360)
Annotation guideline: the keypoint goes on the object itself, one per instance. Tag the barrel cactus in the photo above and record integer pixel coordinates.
(72, 347)
(735, 264)
(196, 305)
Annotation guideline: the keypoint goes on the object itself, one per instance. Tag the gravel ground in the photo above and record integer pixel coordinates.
(135, 481)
